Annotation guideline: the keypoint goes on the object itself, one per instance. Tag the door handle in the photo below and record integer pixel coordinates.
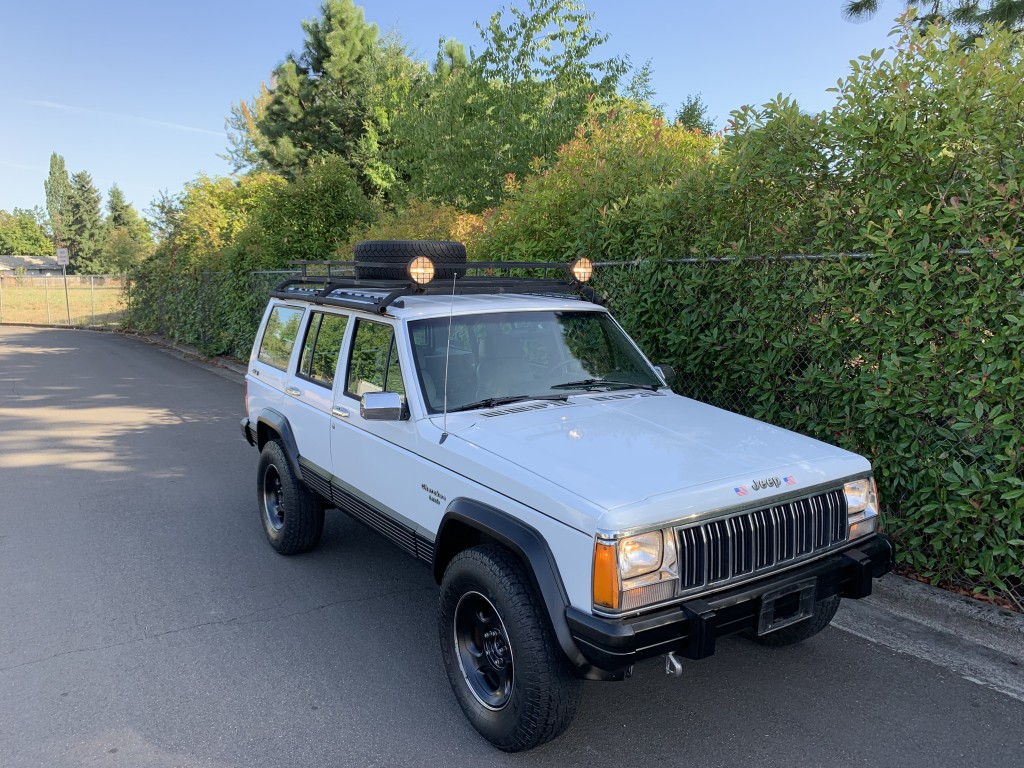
(293, 391)
(339, 412)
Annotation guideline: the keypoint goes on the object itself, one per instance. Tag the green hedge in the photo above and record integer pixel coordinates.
(914, 364)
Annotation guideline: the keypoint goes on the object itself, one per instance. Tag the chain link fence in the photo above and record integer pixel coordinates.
(91, 301)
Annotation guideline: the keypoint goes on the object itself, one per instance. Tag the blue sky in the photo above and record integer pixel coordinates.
(136, 92)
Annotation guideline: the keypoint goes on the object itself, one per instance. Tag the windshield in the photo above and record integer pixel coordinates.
(508, 356)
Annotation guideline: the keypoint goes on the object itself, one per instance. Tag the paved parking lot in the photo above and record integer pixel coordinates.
(144, 621)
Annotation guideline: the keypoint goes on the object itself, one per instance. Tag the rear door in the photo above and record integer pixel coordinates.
(310, 387)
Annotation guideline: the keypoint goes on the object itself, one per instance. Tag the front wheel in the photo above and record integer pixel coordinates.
(505, 668)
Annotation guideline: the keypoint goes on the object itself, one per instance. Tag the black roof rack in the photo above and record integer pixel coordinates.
(476, 277)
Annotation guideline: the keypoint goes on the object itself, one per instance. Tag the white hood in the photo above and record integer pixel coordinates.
(646, 458)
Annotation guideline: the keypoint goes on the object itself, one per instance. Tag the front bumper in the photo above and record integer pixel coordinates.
(691, 628)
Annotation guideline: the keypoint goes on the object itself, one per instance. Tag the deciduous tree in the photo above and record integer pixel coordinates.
(58, 199)
(520, 98)
(21, 234)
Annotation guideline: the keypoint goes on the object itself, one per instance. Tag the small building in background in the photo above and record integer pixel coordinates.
(30, 266)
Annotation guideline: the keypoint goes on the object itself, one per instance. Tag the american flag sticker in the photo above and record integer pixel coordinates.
(741, 490)
(789, 480)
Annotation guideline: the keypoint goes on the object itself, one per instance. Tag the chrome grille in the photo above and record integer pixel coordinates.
(719, 551)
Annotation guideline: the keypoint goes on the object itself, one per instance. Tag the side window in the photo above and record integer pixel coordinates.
(279, 336)
(373, 365)
(322, 347)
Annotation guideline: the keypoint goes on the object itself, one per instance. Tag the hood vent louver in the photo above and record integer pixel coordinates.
(625, 396)
(523, 408)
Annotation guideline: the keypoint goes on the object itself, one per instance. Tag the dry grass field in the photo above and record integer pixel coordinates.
(93, 301)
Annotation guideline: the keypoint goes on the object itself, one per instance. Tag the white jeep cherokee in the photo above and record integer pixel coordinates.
(578, 515)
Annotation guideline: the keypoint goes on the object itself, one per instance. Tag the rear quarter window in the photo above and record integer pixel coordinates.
(279, 337)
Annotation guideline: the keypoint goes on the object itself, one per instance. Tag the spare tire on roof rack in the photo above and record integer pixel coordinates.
(400, 252)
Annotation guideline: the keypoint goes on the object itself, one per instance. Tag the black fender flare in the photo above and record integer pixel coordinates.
(277, 422)
(466, 516)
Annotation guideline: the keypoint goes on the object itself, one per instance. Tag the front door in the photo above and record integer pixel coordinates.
(378, 475)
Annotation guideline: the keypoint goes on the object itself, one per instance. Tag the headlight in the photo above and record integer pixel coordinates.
(635, 571)
(862, 506)
(640, 554)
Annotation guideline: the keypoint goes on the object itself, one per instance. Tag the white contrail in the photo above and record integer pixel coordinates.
(21, 166)
(135, 118)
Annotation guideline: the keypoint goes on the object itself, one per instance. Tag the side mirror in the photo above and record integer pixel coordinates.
(667, 373)
(382, 406)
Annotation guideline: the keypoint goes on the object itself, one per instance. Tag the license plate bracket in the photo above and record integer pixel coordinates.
(770, 619)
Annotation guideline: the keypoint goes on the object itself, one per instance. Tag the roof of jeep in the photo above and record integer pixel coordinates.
(415, 306)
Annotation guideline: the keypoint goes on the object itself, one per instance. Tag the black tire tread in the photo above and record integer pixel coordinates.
(824, 612)
(304, 516)
(400, 252)
(552, 692)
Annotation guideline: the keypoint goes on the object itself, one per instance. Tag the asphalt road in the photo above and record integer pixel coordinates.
(144, 621)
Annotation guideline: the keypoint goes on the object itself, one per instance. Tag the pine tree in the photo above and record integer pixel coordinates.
(84, 227)
(246, 145)
(126, 237)
(318, 99)
(119, 210)
(693, 114)
(967, 16)
(58, 199)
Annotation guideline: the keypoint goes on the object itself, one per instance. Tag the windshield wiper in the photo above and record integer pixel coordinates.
(494, 402)
(598, 383)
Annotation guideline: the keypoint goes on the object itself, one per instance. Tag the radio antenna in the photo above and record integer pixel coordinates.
(447, 354)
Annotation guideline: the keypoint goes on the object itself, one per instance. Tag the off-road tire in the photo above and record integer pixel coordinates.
(544, 694)
(824, 611)
(291, 514)
(401, 252)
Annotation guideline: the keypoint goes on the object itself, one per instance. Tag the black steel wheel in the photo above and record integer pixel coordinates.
(292, 515)
(483, 651)
(444, 254)
(505, 668)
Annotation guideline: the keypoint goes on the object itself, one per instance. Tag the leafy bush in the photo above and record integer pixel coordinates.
(419, 220)
(562, 212)
(307, 219)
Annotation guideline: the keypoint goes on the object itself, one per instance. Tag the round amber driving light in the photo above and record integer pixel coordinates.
(421, 270)
(582, 269)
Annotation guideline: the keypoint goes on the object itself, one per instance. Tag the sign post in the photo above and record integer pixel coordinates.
(62, 260)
